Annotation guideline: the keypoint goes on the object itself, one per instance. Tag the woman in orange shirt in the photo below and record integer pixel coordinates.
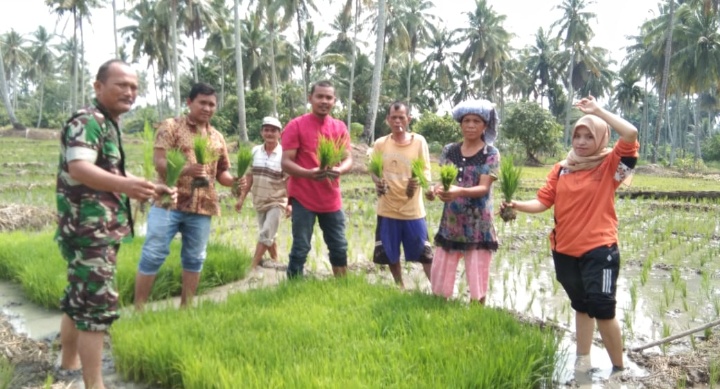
(584, 240)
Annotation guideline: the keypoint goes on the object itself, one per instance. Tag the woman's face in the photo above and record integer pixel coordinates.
(472, 127)
(583, 142)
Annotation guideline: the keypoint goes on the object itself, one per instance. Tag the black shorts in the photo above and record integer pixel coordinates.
(590, 280)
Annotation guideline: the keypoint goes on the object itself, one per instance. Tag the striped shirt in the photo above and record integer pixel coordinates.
(268, 188)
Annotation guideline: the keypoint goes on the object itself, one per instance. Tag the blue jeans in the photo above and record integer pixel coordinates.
(332, 225)
(162, 225)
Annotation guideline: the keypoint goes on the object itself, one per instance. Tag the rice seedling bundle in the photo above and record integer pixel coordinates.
(204, 154)
(448, 174)
(417, 170)
(244, 160)
(330, 151)
(375, 167)
(175, 163)
(148, 151)
(509, 183)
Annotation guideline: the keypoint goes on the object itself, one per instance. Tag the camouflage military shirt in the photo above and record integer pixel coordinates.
(89, 217)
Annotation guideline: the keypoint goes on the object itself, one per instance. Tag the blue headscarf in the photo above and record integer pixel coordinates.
(482, 108)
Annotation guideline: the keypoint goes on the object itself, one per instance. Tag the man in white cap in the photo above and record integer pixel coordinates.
(268, 185)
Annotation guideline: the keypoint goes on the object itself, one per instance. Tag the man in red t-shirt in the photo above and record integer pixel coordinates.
(314, 192)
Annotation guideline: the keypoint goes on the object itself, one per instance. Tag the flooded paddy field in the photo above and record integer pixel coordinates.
(669, 280)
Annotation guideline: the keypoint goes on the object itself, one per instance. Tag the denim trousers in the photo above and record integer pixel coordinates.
(162, 226)
(332, 225)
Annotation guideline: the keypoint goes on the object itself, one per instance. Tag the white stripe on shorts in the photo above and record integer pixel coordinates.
(607, 281)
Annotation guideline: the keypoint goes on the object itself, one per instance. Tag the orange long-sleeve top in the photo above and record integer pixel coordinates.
(585, 201)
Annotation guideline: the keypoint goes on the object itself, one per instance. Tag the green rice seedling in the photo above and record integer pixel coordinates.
(175, 164)
(665, 333)
(330, 152)
(148, 151)
(375, 167)
(204, 154)
(707, 333)
(6, 373)
(417, 168)
(509, 183)
(244, 160)
(448, 174)
(34, 261)
(633, 296)
(645, 272)
(714, 373)
(381, 336)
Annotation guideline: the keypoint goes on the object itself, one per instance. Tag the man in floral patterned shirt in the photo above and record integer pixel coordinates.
(195, 205)
(93, 192)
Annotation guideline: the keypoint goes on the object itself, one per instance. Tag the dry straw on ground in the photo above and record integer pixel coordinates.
(17, 216)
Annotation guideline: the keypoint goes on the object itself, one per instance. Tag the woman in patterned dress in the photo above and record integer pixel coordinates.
(466, 228)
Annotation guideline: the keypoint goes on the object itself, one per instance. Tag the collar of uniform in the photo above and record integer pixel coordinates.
(194, 126)
(105, 112)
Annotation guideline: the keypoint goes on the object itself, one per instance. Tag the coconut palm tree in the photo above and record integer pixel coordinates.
(16, 58)
(627, 93)
(300, 11)
(218, 42)
(6, 97)
(255, 40)
(439, 61)
(149, 33)
(418, 20)
(543, 63)
(665, 78)
(698, 57)
(574, 27)
(487, 42)
(197, 17)
(242, 121)
(43, 64)
(369, 130)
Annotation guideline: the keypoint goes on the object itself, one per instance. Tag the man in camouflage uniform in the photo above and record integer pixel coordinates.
(93, 192)
(195, 204)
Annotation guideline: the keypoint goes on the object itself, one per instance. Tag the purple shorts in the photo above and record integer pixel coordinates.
(413, 235)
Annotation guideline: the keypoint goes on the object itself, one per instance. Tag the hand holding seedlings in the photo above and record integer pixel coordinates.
(139, 189)
(509, 183)
(412, 186)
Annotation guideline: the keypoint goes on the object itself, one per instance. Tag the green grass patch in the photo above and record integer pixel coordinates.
(33, 260)
(6, 373)
(339, 333)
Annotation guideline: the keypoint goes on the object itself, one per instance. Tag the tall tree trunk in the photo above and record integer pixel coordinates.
(273, 71)
(409, 78)
(6, 99)
(195, 60)
(571, 94)
(158, 96)
(663, 87)
(175, 56)
(672, 130)
(369, 130)
(81, 68)
(42, 97)
(76, 56)
(302, 54)
(221, 103)
(114, 11)
(644, 123)
(242, 126)
(353, 59)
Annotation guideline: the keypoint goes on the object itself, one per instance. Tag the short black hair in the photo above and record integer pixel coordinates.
(102, 74)
(397, 104)
(322, 84)
(201, 88)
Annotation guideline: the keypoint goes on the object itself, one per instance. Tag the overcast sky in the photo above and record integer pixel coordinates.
(615, 20)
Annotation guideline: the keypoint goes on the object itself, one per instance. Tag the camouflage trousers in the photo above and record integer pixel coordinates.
(91, 297)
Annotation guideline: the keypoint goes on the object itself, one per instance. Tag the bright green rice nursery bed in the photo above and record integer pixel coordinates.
(338, 333)
(33, 260)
